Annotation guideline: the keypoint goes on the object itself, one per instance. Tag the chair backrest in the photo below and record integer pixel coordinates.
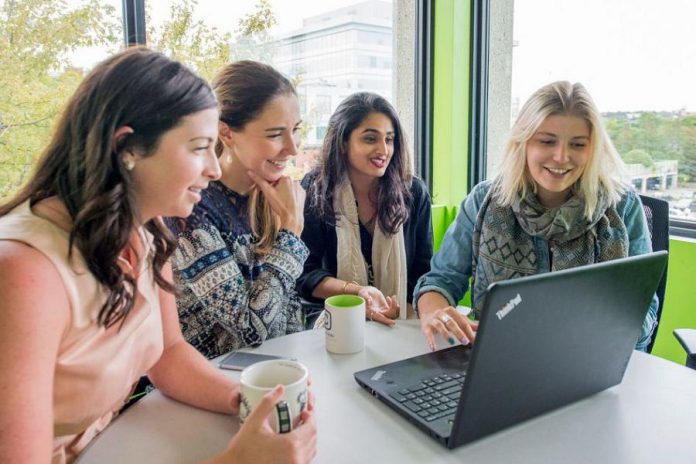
(657, 214)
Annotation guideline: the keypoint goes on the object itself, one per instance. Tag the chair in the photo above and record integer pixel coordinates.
(687, 338)
(657, 214)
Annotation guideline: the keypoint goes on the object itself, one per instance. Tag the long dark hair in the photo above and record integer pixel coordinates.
(83, 168)
(394, 188)
(243, 89)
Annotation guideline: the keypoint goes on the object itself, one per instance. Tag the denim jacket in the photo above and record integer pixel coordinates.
(450, 268)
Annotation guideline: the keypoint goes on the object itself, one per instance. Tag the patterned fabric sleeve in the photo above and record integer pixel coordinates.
(230, 297)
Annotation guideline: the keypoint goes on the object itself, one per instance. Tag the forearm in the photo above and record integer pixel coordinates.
(331, 286)
(182, 373)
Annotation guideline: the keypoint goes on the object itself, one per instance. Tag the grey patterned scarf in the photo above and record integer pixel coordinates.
(503, 238)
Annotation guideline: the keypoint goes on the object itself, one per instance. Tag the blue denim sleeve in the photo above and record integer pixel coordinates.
(450, 268)
(639, 243)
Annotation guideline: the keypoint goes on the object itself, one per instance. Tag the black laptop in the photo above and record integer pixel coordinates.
(543, 341)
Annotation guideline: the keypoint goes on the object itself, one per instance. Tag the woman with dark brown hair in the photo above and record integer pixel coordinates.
(240, 252)
(86, 304)
(367, 217)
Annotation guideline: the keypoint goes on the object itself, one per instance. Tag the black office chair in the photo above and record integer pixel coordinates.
(657, 214)
(687, 338)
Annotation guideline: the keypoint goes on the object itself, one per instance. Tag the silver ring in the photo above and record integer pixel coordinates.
(445, 318)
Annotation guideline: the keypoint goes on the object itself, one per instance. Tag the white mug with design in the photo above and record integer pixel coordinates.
(344, 324)
(262, 377)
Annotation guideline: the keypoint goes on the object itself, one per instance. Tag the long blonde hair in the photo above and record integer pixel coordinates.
(604, 169)
(243, 90)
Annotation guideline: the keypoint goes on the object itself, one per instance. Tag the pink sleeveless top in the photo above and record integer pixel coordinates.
(96, 368)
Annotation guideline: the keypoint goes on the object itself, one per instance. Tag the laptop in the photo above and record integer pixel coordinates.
(543, 342)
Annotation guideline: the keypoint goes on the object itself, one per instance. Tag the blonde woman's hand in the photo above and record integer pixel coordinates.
(449, 323)
(379, 308)
(286, 198)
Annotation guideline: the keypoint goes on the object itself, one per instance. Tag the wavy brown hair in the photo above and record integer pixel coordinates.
(243, 90)
(83, 167)
(394, 187)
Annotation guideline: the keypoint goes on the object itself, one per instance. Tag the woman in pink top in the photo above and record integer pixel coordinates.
(86, 303)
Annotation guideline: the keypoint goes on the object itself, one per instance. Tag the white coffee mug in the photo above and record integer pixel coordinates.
(345, 324)
(262, 377)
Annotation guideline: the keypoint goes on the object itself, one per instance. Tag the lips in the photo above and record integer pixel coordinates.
(279, 164)
(558, 172)
(379, 163)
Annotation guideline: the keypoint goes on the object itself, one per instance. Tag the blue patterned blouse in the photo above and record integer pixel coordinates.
(232, 298)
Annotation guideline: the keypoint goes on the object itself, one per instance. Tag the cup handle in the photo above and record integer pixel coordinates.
(284, 417)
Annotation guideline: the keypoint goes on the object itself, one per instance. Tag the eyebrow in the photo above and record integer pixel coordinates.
(551, 134)
(201, 137)
(281, 128)
(371, 129)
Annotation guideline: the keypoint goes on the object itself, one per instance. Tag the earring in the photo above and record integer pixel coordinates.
(129, 164)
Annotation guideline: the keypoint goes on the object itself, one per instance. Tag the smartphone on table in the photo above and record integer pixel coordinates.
(238, 360)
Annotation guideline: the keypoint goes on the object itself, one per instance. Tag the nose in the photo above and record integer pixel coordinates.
(212, 167)
(383, 147)
(290, 143)
(560, 154)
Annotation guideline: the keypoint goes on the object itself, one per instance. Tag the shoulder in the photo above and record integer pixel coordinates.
(478, 193)
(309, 179)
(418, 188)
(30, 281)
(629, 200)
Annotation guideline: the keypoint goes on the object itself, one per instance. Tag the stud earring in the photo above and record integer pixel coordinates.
(129, 164)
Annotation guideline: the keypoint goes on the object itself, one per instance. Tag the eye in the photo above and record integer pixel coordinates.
(579, 145)
(547, 141)
(206, 148)
(390, 140)
(275, 136)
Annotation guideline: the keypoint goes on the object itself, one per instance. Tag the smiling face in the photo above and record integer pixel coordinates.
(556, 156)
(371, 146)
(169, 181)
(268, 142)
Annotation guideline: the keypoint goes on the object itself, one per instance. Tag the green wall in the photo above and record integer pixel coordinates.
(680, 299)
(450, 101)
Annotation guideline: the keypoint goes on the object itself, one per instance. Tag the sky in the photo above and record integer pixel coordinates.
(631, 55)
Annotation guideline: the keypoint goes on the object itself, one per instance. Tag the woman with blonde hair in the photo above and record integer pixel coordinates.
(239, 252)
(558, 202)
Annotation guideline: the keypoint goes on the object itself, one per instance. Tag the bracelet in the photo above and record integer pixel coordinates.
(345, 286)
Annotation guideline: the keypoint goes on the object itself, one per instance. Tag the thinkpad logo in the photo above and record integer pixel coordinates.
(509, 306)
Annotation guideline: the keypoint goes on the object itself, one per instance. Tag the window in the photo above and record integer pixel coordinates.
(46, 48)
(636, 60)
(320, 46)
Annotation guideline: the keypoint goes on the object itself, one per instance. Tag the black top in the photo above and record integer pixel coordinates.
(320, 238)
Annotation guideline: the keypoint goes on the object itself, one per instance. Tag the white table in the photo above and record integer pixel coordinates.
(649, 418)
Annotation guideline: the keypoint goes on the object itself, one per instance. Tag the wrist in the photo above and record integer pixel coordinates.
(351, 288)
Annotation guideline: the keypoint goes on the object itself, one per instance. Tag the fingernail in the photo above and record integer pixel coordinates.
(464, 340)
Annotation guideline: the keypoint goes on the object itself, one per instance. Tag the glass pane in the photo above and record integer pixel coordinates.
(635, 57)
(46, 48)
(330, 49)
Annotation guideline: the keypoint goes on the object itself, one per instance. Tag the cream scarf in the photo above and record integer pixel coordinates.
(388, 251)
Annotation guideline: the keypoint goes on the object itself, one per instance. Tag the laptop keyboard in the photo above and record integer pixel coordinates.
(434, 397)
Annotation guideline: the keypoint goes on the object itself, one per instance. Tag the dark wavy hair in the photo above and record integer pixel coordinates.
(244, 89)
(83, 167)
(394, 188)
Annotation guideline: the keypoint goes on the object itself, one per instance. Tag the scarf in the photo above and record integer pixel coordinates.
(388, 251)
(503, 238)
